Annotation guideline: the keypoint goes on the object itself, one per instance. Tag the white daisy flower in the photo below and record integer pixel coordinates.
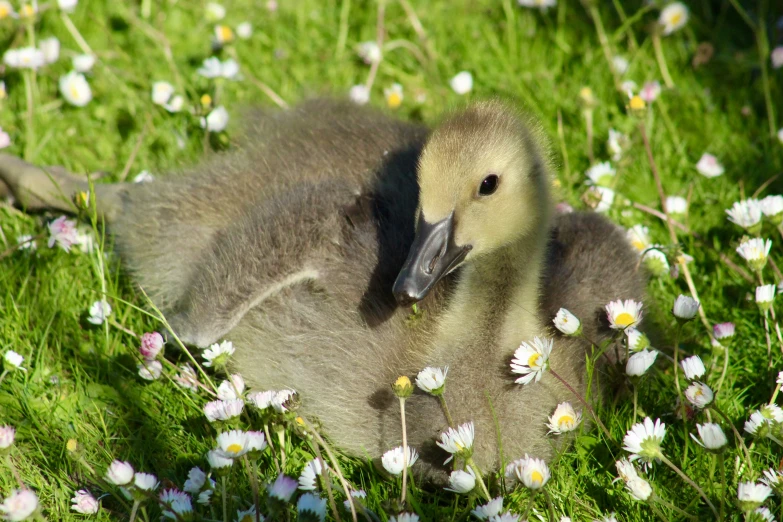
(144, 177)
(218, 354)
(179, 504)
(772, 478)
(256, 443)
(6, 10)
(119, 473)
(779, 380)
(223, 410)
(7, 435)
(699, 394)
(685, 307)
(676, 205)
(772, 412)
(405, 517)
(69, 6)
(780, 135)
(75, 89)
(765, 295)
(205, 497)
(772, 208)
(309, 503)
(564, 419)
(751, 495)
(50, 47)
(644, 440)
(462, 83)
(756, 424)
(637, 341)
(216, 121)
(223, 35)
(673, 17)
(616, 144)
(99, 312)
(62, 232)
(462, 481)
(213, 68)
(13, 361)
(393, 95)
(755, 252)
(639, 237)
(601, 174)
(639, 489)
(711, 436)
(308, 479)
(214, 12)
(620, 65)
(359, 94)
(393, 460)
(84, 503)
(24, 58)
(604, 197)
(162, 92)
(245, 30)
(628, 87)
(533, 473)
(150, 370)
(83, 63)
(489, 510)
(248, 515)
(650, 91)
(283, 488)
(762, 514)
(19, 505)
(624, 314)
(656, 262)
(458, 441)
(541, 4)
(196, 480)
(639, 362)
(26, 242)
(709, 166)
(261, 400)
(280, 401)
(145, 481)
(693, 368)
(217, 462)
(432, 380)
(567, 323)
(531, 360)
(747, 214)
(232, 389)
(232, 444)
(369, 52)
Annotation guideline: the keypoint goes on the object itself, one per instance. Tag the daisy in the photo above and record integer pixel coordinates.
(772, 412)
(369, 52)
(637, 341)
(311, 504)
(50, 47)
(283, 488)
(84, 503)
(747, 214)
(359, 94)
(212, 67)
(626, 469)
(673, 17)
(685, 308)
(308, 479)
(393, 460)
(19, 505)
(205, 496)
(755, 252)
(777, 57)
(763, 515)
(620, 65)
(248, 515)
(567, 323)
(175, 104)
(360, 493)
(458, 441)
(772, 208)
(403, 387)
(145, 481)
(245, 30)
(603, 197)
(772, 478)
(216, 121)
(187, 378)
(232, 389)
(223, 35)
(564, 419)
(119, 473)
(752, 495)
(150, 370)
(7, 435)
(24, 58)
(639, 237)
(531, 360)
(232, 444)
(656, 262)
(75, 89)
(624, 314)
(644, 440)
(83, 63)
(757, 425)
(650, 91)
(284, 400)
(143, 177)
(68, 6)
(99, 312)
(261, 400)
(26, 242)
(405, 517)
(196, 480)
(217, 355)
(616, 144)
(214, 12)
(601, 174)
(223, 410)
(489, 510)
(723, 330)
(62, 231)
(676, 205)
(462, 83)
(161, 92)
(711, 436)
(179, 504)
(151, 345)
(709, 166)
(541, 4)
(533, 473)
(393, 95)
(6, 10)
(640, 362)
(508, 516)
(639, 488)
(765, 294)
(13, 361)
(699, 394)
(217, 462)
(432, 380)
(462, 481)
(693, 368)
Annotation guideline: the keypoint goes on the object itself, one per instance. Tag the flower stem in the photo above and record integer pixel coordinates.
(589, 125)
(737, 435)
(602, 38)
(281, 442)
(771, 400)
(326, 482)
(723, 491)
(530, 505)
(14, 472)
(469, 461)
(656, 39)
(769, 342)
(446, 411)
(550, 506)
(225, 500)
(252, 471)
(29, 142)
(271, 447)
(672, 507)
(134, 510)
(584, 402)
(677, 369)
(690, 482)
(635, 397)
(725, 368)
(404, 452)
(775, 440)
(83, 45)
(2, 376)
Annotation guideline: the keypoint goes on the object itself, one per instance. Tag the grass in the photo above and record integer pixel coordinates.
(81, 380)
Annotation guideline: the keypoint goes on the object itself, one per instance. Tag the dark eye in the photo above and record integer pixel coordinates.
(489, 185)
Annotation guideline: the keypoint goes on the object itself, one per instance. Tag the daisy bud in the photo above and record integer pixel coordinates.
(685, 308)
(637, 341)
(310, 508)
(699, 394)
(644, 440)
(151, 345)
(746, 214)
(393, 460)
(462, 481)
(196, 481)
(285, 400)
(7, 435)
(723, 331)
(403, 387)
(711, 437)
(231, 389)
(639, 488)
(432, 380)
(19, 505)
(84, 503)
(624, 314)
(640, 362)
(751, 495)
(99, 312)
(765, 295)
(119, 473)
(709, 166)
(567, 323)
(693, 368)
(144, 482)
(587, 98)
(564, 419)
(779, 380)
(13, 361)
(256, 444)
(772, 206)
(245, 30)
(359, 94)
(205, 497)
(489, 510)
(458, 441)
(754, 252)
(282, 489)
(150, 370)
(772, 412)
(531, 360)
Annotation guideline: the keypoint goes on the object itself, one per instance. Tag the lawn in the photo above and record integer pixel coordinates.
(80, 403)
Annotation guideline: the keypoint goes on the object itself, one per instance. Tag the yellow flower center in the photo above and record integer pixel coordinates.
(698, 392)
(27, 11)
(533, 360)
(636, 103)
(566, 421)
(675, 19)
(4, 11)
(248, 518)
(536, 477)
(74, 92)
(638, 244)
(234, 448)
(394, 100)
(624, 319)
(300, 421)
(224, 33)
(586, 93)
(71, 445)
(206, 100)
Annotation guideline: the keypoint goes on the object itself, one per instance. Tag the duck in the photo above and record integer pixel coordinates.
(339, 248)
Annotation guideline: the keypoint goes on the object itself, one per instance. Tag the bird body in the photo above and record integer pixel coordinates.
(295, 246)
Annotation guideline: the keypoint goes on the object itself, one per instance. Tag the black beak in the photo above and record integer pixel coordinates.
(433, 254)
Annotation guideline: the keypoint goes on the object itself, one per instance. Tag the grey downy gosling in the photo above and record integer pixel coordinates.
(306, 244)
